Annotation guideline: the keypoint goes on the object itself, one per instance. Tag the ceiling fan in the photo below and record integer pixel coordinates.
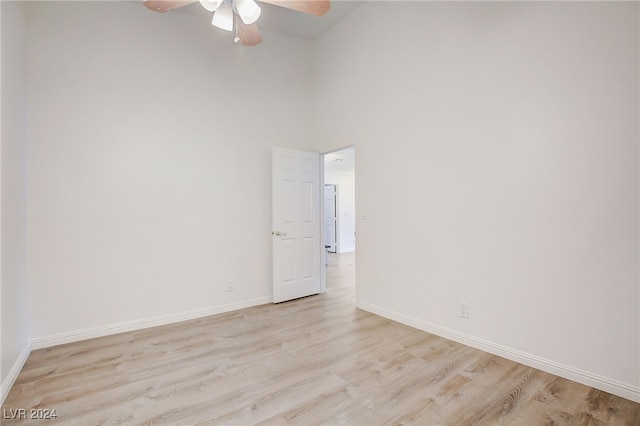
(241, 14)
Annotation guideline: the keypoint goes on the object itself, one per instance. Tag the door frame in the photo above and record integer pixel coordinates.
(321, 258)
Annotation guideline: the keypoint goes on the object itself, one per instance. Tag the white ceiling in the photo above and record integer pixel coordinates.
(288, 22)
(343, 160)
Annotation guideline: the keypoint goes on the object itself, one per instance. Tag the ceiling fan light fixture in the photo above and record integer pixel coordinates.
(223, 17)
(211, 5)
(248, 10)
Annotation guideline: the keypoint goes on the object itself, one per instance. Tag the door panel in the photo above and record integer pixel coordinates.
(330, 217)
(296, 224)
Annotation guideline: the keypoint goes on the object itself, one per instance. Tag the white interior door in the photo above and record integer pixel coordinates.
(297, 255)
(330, 217)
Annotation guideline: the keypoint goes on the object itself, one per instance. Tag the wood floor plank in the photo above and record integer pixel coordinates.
(316, 360)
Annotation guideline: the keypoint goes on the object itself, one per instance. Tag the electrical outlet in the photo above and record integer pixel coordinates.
(230, 285)
(464, 310)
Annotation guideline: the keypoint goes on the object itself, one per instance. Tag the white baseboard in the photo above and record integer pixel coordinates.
(615, 387)
(8, 382)
(90, 333)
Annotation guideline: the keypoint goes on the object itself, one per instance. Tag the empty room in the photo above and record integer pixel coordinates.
(164, 256)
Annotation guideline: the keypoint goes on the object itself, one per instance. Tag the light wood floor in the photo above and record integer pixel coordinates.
(316, 360)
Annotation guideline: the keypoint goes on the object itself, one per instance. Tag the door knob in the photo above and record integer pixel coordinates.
(279, 234)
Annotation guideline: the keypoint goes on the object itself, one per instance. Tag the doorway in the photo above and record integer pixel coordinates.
(339, 224)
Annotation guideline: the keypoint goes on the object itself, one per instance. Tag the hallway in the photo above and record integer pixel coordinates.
(341, 271)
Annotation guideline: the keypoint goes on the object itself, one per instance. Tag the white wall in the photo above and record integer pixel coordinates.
(505, 139)
(14, 309)
(150, 163)
(346, 206)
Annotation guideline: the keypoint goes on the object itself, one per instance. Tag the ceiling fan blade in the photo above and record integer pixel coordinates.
(163, 6)
(249, 34)
(312, 7)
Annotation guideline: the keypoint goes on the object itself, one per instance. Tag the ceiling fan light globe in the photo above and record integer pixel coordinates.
(223, 17)
(248, 10)
(211, 5)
